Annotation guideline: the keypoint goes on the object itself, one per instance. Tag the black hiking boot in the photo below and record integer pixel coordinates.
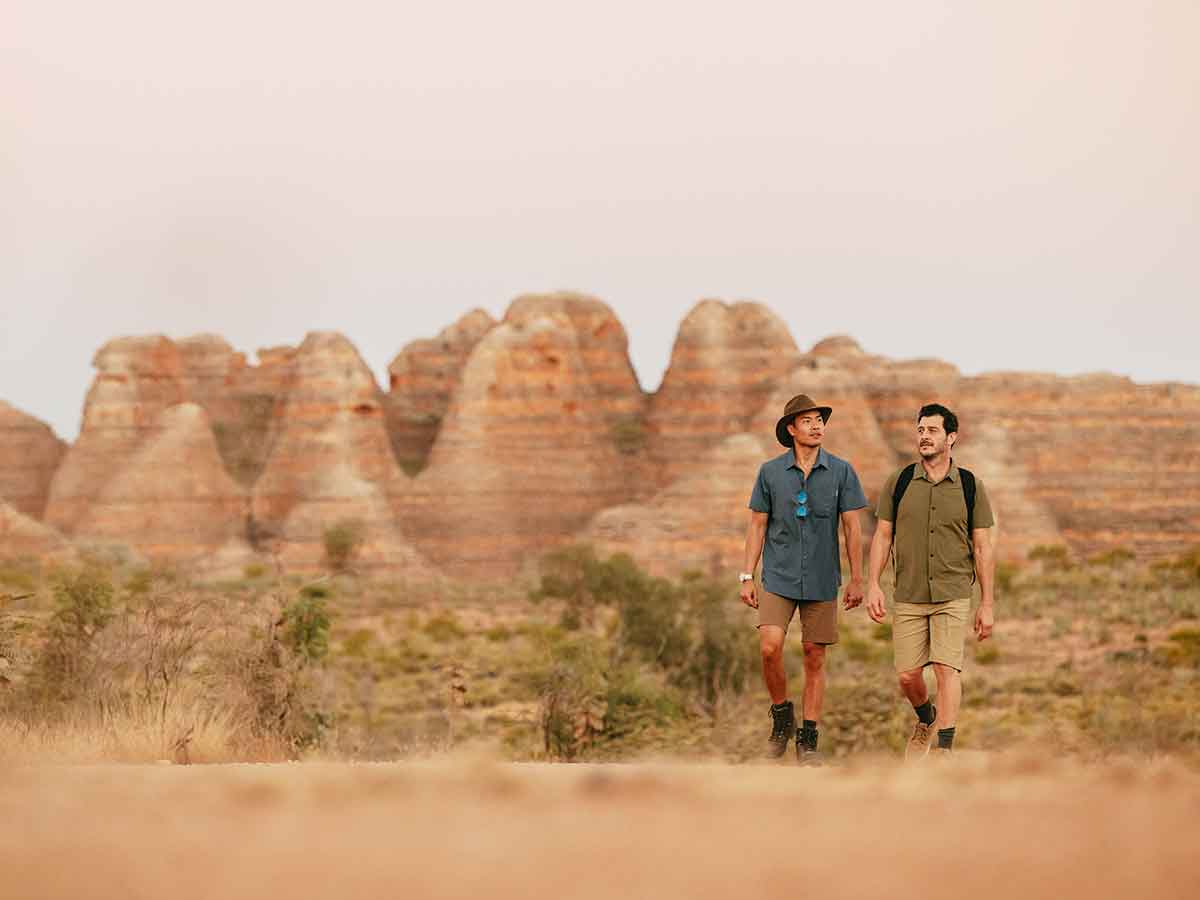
(783, 727)
(807, 753)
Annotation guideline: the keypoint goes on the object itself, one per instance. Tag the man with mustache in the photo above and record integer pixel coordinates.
(939, 518)
(799, 500)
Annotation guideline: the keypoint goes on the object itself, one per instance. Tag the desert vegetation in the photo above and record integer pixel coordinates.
(595, 660)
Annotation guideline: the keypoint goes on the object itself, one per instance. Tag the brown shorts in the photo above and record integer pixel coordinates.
(818, 618)
(924, 633)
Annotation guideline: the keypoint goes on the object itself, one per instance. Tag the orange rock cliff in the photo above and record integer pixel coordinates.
(497, 441)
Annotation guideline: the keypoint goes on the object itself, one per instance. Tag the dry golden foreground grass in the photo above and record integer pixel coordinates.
(977, 827)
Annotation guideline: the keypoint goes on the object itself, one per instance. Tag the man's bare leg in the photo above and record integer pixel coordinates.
(814, 680)
(912, 686)
(770, 639)
(949, 695)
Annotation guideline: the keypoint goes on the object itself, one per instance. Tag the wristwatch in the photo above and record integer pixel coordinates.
(743, 577)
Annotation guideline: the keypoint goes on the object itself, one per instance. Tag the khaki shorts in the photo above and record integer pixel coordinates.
(818, 618)
(924, 633)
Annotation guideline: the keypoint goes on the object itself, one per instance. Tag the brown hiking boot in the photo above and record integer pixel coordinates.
(783, 727)
(918, 744)
(807, 753)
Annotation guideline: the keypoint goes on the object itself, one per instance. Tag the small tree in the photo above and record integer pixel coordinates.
(306, 625)
(83, 601)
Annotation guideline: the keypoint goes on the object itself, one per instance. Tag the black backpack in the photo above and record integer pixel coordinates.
(967, 479)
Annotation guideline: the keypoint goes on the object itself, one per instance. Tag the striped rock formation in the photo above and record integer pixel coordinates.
(136, 380)
(726, 362)
(697, 523)
(533, 432)
(24, 536)
(30, 453)
(330, 463)
(536, 439)
(173, 500)
(422, 378)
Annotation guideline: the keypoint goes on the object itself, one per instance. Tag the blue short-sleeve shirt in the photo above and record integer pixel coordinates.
(801, 556)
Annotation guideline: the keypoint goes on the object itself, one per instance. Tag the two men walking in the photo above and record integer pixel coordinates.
(936, 514)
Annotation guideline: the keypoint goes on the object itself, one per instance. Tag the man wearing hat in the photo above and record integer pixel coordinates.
(799, 500)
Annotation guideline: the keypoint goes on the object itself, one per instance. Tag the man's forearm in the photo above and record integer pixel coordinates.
(853, 531)
(880, 548)
(755, 538)
(985, 571)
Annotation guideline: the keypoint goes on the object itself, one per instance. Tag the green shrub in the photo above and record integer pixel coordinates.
(857, 649)
(1182, 649)
(498, 634)
(649, 609)
(987, 654)
(722, 660)
(653, 623)
(254, 570)
(571, 684)
(1114, 557)
(19, 574)
(342, 542)
(357, 643)
(83, 601)
(638, 707)
(1050, 556)
(316, 591)
(444, 628)
(83, 608)
(629, 435)
(1006, 576)
(306, 627)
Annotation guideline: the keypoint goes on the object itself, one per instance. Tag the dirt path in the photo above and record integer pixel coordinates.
(973, 829)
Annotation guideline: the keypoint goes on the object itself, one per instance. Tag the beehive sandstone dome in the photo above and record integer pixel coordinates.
(498, 440)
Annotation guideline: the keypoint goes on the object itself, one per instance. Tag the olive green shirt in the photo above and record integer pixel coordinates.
(934, 562)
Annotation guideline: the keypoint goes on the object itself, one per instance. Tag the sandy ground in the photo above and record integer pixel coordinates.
(973, 828)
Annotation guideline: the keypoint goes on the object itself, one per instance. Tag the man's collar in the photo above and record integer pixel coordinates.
(952, 475)
(821, 463)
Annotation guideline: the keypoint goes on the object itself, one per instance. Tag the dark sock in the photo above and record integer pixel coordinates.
(809, 734)
(780, 707)
(926, 712)
(945, 738)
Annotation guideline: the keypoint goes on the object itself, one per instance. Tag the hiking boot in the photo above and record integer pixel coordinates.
(807, 753)
(918, 744)
(783, 727)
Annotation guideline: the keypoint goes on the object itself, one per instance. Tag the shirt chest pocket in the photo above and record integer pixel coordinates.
(948, 506)
(824, 504)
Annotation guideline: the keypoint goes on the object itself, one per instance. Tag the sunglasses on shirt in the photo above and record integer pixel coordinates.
(802, 508)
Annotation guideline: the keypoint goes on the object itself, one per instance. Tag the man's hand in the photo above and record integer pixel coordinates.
(875, 605)
(984, 620)
(854, 594)
(749, 597)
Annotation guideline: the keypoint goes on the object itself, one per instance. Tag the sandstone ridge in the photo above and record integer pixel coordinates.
(500, 439)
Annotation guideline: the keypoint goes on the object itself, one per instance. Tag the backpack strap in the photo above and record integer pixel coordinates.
(968, 489)
(902, 482)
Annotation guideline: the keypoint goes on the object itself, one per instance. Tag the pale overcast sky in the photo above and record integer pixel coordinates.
(1006, 185)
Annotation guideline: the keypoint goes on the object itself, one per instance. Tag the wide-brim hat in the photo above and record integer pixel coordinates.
(798, 404)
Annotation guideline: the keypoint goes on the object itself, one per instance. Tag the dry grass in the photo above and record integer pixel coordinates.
(193, 731)
(1089, 660)
(978, 827)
